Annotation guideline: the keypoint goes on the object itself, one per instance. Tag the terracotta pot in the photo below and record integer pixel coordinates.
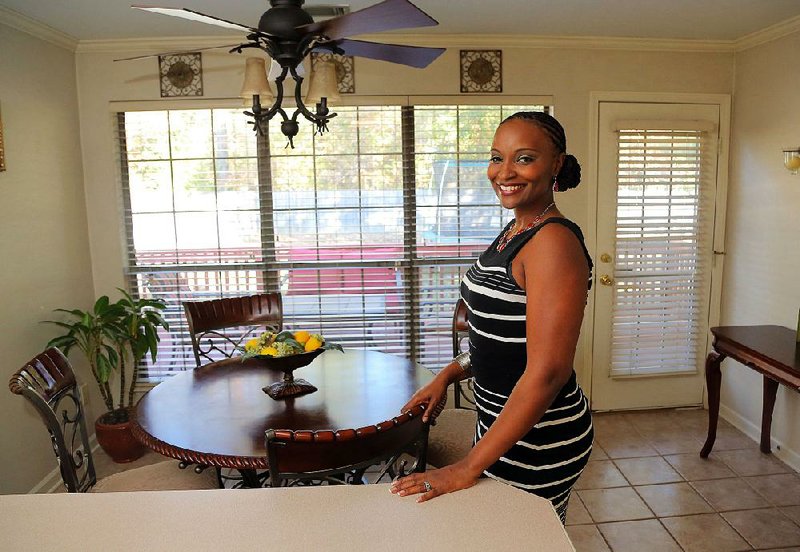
(117, 440)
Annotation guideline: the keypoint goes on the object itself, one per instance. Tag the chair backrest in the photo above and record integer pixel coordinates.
(206, 318)
(460, 326)
(321, 455)
(48, 382)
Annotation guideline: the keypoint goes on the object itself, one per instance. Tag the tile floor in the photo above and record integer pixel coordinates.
(646, 488)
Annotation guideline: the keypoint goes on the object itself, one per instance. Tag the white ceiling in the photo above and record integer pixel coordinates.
(664, 19)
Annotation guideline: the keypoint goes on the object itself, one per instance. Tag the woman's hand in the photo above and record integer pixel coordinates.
(446, 480)
(430, 395)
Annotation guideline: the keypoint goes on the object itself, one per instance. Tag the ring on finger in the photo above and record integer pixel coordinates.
(427, 486)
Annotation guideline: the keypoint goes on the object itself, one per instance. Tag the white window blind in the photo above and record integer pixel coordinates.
(663, 251)
(366, 231)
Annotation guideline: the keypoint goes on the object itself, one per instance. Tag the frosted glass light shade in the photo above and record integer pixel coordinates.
(322, 84)
(255, 81)
(791, 160)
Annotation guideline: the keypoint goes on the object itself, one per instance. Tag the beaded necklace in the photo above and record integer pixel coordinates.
(508, 235)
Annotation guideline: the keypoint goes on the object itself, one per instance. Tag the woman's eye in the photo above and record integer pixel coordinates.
(495, 159)
(525, 159)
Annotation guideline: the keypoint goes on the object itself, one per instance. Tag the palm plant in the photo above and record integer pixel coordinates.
(113, 336)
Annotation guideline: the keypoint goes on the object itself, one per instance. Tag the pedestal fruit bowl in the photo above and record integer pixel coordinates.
(286, 352)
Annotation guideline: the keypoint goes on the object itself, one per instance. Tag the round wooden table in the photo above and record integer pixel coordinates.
(216, 415)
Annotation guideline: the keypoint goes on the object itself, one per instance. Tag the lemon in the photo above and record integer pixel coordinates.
(271, 351)
(252, 345)
(313, 344)
(301, 336)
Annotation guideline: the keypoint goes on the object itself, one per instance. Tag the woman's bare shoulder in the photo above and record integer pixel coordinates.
(554, 239)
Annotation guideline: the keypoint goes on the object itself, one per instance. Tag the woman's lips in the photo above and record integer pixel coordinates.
(510, 189)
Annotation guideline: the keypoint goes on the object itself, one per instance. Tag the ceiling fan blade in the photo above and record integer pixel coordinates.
(177, 53)
(192, 15)
(414, 56)
(385, 16)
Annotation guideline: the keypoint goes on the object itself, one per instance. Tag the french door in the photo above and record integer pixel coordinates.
(657, 186)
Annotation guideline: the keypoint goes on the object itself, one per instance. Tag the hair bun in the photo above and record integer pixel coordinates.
(570, 174)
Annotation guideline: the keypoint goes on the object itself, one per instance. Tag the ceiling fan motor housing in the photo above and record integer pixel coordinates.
(283, 18)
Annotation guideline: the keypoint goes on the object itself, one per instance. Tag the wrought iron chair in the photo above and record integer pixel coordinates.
(49, 383)
(242, 314)
(452, 436)
(242, 317)
(340, 457)
(460, 332)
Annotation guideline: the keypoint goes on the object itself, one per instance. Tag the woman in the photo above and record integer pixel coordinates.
(526, 296)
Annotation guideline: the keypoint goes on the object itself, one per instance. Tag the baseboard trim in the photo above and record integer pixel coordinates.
(779, 449)
(52, 481)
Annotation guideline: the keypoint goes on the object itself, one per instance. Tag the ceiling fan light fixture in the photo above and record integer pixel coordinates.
(255, 81)
(322, 84)
(287, 33)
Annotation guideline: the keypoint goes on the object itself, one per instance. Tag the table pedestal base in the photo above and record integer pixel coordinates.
(285, 389)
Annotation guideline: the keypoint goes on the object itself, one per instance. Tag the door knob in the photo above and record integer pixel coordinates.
(606, 280)
(605, 258)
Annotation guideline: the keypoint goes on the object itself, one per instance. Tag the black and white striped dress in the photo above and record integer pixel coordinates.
(551, 456)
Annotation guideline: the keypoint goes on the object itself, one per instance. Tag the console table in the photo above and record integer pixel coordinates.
(770, 350)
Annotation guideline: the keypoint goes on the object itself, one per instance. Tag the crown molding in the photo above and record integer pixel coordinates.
(176, 44)
(20, 22)
(769, 34)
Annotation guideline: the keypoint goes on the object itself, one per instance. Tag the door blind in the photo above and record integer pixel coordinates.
(663, 250)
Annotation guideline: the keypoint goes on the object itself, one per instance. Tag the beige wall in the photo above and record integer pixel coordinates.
(763, 228)
(43, 232)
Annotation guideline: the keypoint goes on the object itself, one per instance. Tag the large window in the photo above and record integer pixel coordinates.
(366, 231)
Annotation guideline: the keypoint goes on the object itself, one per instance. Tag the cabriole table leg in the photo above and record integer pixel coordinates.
(713, 383)
(770, 390)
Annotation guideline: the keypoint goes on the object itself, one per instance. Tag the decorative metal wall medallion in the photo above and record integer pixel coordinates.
(345, 73)
(181, 75)
(481, 71)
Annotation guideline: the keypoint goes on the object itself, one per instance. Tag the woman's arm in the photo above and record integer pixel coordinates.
(432, 393)
(554, 275)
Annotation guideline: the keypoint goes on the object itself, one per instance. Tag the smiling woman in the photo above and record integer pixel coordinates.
(525, 296)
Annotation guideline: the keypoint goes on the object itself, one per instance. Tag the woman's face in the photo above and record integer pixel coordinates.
(522, 165)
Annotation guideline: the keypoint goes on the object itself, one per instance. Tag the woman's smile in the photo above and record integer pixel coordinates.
(510, 189)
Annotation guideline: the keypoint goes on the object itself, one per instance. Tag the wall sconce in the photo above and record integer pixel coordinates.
(791, 159)
(256, 88)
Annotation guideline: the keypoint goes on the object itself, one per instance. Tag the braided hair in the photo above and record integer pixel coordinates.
(570, 174)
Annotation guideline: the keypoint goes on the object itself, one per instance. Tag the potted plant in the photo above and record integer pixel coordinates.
(113, 337)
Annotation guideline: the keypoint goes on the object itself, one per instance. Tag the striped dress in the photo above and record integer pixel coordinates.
(551, 456)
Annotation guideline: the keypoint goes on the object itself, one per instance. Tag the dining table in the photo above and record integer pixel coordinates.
(216, 415)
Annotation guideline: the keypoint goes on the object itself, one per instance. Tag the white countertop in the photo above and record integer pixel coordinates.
(489, 516)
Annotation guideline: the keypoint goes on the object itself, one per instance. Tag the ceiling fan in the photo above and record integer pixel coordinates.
(288, 33)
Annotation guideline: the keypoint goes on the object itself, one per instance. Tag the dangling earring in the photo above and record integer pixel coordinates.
(555, 183)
